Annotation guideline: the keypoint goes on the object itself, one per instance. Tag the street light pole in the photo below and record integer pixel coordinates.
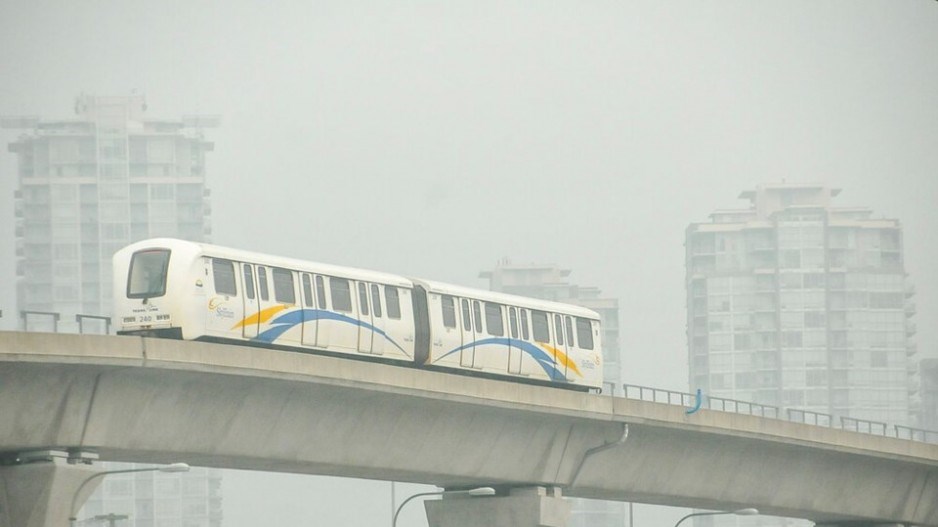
(481, 491)
(174, 467)
(740, 512)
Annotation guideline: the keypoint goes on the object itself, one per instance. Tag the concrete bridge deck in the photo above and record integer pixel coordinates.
(149, 400)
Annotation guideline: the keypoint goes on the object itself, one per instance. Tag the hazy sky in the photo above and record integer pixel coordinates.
(433, 139)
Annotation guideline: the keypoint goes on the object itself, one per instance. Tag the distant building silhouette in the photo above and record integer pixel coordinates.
(795, 303)
(92, 184)
(928, 412)
(550, 282)
(88, 186)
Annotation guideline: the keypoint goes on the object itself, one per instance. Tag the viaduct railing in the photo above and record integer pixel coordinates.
(852, 424)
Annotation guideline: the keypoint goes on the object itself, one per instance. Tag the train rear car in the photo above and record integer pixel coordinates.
(501, 335)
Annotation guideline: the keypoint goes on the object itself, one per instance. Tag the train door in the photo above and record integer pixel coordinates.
(560, 348)
(285, 295)
(323, 325)
(569, 340)
(252, 304)
(365, 333)
(225, 309)
(467, 355)
(514, 350)
(378, 341)
(343, 328)
(310, 321)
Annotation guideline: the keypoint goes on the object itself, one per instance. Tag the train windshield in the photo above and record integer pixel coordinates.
(147, 277)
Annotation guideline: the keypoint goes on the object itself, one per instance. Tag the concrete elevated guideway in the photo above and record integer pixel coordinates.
(147, 400)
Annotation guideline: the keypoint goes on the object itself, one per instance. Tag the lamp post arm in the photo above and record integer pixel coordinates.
(401, 506)
(699, 514)
(72, 511)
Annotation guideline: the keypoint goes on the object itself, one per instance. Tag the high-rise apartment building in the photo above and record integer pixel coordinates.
(799, 304)
(89, 185)
(92, 184)
(550, 282)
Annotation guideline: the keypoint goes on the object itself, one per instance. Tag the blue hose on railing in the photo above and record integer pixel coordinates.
(697, 404)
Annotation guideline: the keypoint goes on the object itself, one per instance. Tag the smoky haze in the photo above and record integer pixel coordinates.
(434, 140)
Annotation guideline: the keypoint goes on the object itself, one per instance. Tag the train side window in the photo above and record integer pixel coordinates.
(249, 281)
(393, 301)
(568, 329)
(493, 319)
(224, 275)
(283, 286)
(262, 282)
(376, 300)
(363, 298)
(341, 294)
(558, 329)
(512, 322)
(449, 311)
(321, 292)
(541, 331)
(524, 323)
(466, 317)
(477, 316)
(584, 333)
(307, 291)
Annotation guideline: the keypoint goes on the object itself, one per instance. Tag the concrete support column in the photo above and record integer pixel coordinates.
(523, 507)
(40, 493)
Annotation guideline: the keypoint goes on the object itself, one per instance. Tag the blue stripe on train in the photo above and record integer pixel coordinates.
(543, 359)
(285, 322)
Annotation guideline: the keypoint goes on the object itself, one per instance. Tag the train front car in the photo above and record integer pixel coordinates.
(507, 336)
(154, 285)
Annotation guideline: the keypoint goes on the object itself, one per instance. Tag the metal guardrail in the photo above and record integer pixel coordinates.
(916, 434)
(809, 418)
(864, 426)
(658, 395)
(742, 407)
(795, 415)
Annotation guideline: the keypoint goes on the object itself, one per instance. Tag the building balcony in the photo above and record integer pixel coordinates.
(909, 290)
(911, 328)
(911, 349)
(910, 308)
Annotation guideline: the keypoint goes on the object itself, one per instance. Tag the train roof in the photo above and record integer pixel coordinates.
(279, 261)
(507, 299)
(364, 274)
